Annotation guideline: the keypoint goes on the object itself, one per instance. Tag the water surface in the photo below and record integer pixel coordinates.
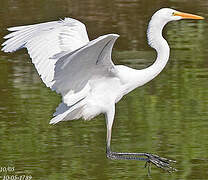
(168, 116)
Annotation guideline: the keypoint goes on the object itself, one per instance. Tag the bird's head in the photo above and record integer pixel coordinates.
(160, 19)
(166, 15)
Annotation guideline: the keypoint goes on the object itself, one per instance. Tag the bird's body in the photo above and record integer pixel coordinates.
(83, 73)
(106, 91)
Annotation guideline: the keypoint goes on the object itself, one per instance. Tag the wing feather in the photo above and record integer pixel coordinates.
(74, 70)
(63, 55)
(45, 40)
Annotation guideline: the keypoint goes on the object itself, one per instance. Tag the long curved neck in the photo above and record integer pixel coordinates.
(156, 41)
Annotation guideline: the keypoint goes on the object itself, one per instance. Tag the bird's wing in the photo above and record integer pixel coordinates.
(63, 55)
(75, 73)
(74, 69)
(45, 40)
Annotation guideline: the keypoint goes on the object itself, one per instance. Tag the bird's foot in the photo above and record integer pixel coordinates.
(158, 161)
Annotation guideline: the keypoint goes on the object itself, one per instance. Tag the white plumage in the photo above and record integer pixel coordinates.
(82, 71)
(66, 61)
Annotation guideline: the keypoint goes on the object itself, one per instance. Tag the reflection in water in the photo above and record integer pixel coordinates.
(167, 116)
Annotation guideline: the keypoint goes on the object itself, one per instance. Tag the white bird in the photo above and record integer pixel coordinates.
(83, 73)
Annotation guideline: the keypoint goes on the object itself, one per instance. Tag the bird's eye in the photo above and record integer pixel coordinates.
(173, 13)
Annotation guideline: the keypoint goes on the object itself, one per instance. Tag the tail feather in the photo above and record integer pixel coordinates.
(65, 113)
(61, 109)
(58, 118)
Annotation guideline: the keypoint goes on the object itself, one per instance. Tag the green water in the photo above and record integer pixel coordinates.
(168, 116)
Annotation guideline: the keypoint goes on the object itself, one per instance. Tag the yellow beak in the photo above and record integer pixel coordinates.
(187, 15)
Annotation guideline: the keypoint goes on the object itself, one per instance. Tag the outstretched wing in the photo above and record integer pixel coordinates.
(45, 40)
(63, 55)
(76, 71)
(73, 70)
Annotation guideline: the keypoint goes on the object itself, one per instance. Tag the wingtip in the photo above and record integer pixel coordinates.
(112, 36)
(11, 29)
(3, 49)
(115, 35)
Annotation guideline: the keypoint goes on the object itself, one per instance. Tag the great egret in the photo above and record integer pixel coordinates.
(83, 73)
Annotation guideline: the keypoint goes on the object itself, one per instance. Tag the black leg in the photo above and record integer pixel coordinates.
(158, 161)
